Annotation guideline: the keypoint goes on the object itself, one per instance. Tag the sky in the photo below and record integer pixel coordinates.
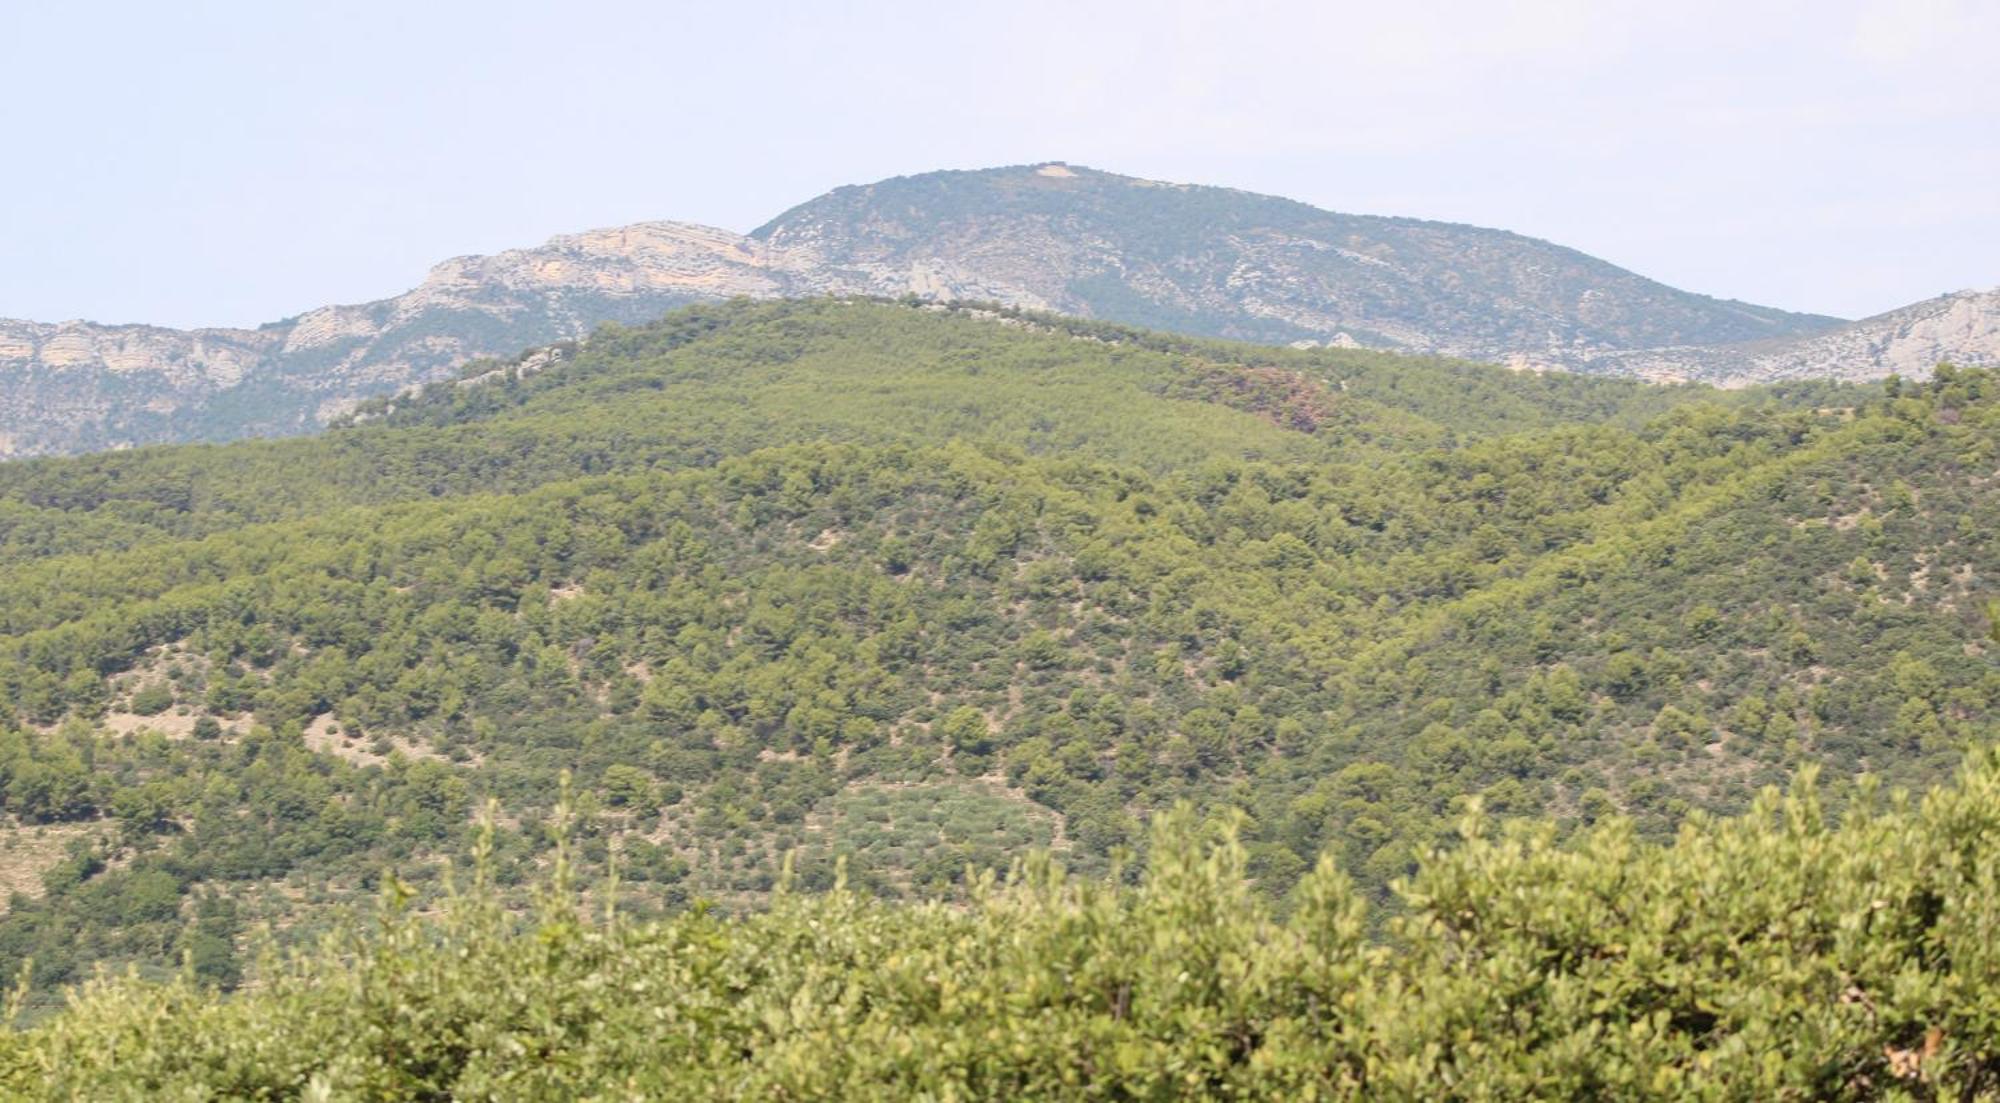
(234, 163)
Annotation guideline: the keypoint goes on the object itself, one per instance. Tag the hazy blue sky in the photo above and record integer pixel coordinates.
(195, 163)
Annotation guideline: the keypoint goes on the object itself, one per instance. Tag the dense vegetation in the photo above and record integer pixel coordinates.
(1777, 956)
(916, 589)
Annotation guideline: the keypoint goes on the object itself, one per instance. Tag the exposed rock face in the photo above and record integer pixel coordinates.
(1208, 261)
(1961, 328)
(78, 386)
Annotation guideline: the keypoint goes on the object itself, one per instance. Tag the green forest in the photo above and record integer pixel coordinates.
(845, 697)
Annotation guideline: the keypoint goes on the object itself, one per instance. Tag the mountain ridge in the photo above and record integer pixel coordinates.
(1202, 260)
(1959, 327)
(1097, 207)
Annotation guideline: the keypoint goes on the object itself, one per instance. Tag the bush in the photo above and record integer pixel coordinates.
(153, 700)
(1778, 955)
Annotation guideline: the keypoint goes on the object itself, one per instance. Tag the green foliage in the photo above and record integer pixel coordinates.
(152, 700)
(1778, 955)
(921, 587)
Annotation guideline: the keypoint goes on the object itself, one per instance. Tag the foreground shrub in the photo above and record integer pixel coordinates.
(1777, 955)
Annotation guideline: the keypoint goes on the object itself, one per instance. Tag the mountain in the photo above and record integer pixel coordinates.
(1961, 328)
(908, 591)
(78, 386)
(1201, 260)
(1220, 262)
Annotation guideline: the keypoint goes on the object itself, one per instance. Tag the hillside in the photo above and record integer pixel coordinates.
(1200, 260)
(915, 589)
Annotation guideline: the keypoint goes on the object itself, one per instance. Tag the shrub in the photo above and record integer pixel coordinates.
(1777, 955)
(153, 700)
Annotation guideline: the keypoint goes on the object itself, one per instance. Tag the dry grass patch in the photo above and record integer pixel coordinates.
(28, 851)
(326, 736)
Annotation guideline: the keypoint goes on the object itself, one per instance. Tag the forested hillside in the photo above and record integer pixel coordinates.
(915, 590)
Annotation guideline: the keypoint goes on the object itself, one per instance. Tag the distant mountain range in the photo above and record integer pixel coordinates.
(1202, 260)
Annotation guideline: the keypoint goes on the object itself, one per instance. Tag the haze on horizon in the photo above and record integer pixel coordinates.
(230, 164)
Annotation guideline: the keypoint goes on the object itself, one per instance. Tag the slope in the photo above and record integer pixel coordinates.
(718, 380)
(918, 588)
